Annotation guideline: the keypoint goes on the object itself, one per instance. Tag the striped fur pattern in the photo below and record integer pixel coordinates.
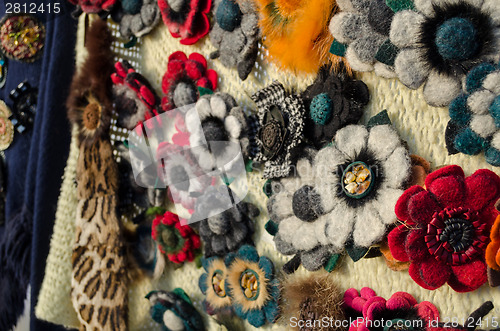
(99, 282)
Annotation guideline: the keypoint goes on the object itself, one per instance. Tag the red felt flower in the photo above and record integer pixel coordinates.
(399, 311)
(183, 77)
(186, 19)
(178, 242)
(446, 228)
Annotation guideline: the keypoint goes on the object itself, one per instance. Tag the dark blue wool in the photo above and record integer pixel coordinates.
(456, 39)
(476, 76)
(132, 7)
(228, 15)
(468, 142)
(492, 156)
(495, 111)
(458, 110)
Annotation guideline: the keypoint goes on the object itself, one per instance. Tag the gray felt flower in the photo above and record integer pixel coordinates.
(226, 229)
(236, 34)
(136, 17)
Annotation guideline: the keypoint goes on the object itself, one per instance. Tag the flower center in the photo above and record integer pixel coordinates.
(218, 284)
(132, 7)
(214, 130)
(357, 180)
(249, 284)
(185, 94)
(273, 132)
(180, 178)
(456, 39)
(455, 237)
(306, 204)
(169, 237)
(228, 15)
(176, 5)
(321, 109)
(91, 116)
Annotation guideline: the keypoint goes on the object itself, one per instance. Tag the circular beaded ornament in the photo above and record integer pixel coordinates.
(6, 127)
(22, 37)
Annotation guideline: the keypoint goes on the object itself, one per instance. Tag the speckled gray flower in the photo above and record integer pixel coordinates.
(235, 34)
(136, 17)
(226, 229)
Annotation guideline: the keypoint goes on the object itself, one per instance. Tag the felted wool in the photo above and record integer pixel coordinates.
(213, 285)
(222, 136)
(334, 100)
(281, 119)
(7, 128)
(179, 242)
(391, 262)
(297, 208)
(100, 7)
(492, 254)
(446, 228)
(361, 219)
(364, 29)
(136, 17)
(440, 45)
(252, 285)
(296, 33)
(99, 279)
(22, 37)
(401, 308)
(174, 310)
(186, 19)
(236, 34)
(309, 298)
(475, 116)
(134, 98)
(223, 231)
(183, 78)
(180, 171)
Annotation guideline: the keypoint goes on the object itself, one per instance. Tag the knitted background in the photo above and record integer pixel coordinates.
(420, 125)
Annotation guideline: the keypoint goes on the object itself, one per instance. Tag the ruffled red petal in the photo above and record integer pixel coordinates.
(448, 190)
(452, 170)
(178, 56)
(204, 82)
(430, 274)
(400, 301)
(401, 207)
(373, 306)
(421, 207)
(468, 277)
(483, 189)
(213, 78)
(194, 70)
(197, 57)
(427, 311)
(396, 241)
(416, 247)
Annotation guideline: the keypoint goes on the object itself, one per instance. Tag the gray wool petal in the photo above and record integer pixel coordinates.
(219, 244)
(316, 258)
(219, 224)
(240, 231)
(283, 247)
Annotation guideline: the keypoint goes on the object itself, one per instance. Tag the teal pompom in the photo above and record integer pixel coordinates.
(256, 317)
(249, 253)
(456, 39)
(238, 309)
(476, 76)
(458, 110)
(495, 111)
(229, 258)
(202, 283)
(321, 109)
(132, 7)
(271, 310)
(268, 267)
(228, 15)
(469, 142)
(492, 156)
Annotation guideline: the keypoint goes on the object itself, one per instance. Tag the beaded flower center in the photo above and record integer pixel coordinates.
(218, 284)
(357, 180)
(456, 39)
(249, 284)
(456, 236)
(321, 109)
(273, 132)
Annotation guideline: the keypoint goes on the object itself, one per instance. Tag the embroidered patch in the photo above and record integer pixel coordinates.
(136, 17)
(186, 19)
(6, 127)
(22, 37)
(334, 100)
(446, 228)
(184, 77)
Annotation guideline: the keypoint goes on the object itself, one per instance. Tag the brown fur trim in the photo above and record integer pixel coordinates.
(92, 84)
(311, 297)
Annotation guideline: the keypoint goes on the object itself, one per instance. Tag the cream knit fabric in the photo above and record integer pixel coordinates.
(420, 125)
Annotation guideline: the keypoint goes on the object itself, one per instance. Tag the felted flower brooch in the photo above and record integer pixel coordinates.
(179, 242)
(401, 311)
(182, 173)
(136, 17)
(174, 311)
(134, 98)
(183, 79)
(295, 33)
(475, 115)
(252, 286)
(236, 35)
(359, 179)
(223, 133)
(295, 206)
(446, 228)
(213, 285)
(22, 37)
(226, 231)
(281, 120)
(6, 127)
(186, 19)
(334, 100)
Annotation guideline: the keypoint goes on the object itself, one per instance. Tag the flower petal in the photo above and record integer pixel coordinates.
(448, 190)
(382, 141)
(351, 140)
(218, 106)
(369, 228)
(430, 274)
(397, 168)
(452, 170)
(427, 311)
(396, 241)
(441, 89)
(339, 225)
(405, 30)
(401, 208)
(406, 296)
(256, 317)
(385, 204)
(468, 277)
(421, 207)
(373, 306)
(233, 126)
(415, 246)
(492, 251)
(411, 70)
(483, 189)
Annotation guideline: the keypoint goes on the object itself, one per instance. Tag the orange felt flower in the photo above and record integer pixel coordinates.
(493, 249)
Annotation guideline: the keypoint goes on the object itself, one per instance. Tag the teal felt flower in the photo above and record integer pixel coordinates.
(252, 286)
(213, 284)
(475, 115)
